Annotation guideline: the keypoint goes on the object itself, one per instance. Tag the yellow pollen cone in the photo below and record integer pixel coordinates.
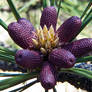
(47, 39)
(52, 33)
(35, 42)
(43, 50)
(45, 31)
(55, 42)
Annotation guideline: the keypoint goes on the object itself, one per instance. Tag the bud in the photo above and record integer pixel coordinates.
(48, 76)
(79, 47)
(62, 58)
(49, 17)
(28, 59)
(69, 29)
(22, 33)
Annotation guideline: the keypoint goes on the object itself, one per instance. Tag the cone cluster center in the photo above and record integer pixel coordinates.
(46, 39)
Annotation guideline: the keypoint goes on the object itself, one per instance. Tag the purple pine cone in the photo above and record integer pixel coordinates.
(62, 58)
(26, 23)
(28, 59)
(22, 33)
(69, 29)
(49, 17)
(48, 76)
(79, 47)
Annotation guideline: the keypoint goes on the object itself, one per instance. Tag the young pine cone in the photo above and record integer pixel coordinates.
(48, 76)
(79, 47)
(22, 33)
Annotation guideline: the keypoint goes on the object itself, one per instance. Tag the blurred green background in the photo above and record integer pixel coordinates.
(31, 9)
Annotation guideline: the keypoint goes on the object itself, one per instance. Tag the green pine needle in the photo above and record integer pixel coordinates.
(20, 89)
(87, 8)
(59, 7)
(10, 52)
(28, 85)
(3, 24)
(84, 59)
(7, 58)
(15, 12)
(52, 2)
(7, 55)
(79, 72)
(86, 22)
(46, 3)
(87, 15)
(27, 5)
(7, 83)
(10, 74)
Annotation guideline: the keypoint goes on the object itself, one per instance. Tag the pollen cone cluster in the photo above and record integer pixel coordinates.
(48, 48)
